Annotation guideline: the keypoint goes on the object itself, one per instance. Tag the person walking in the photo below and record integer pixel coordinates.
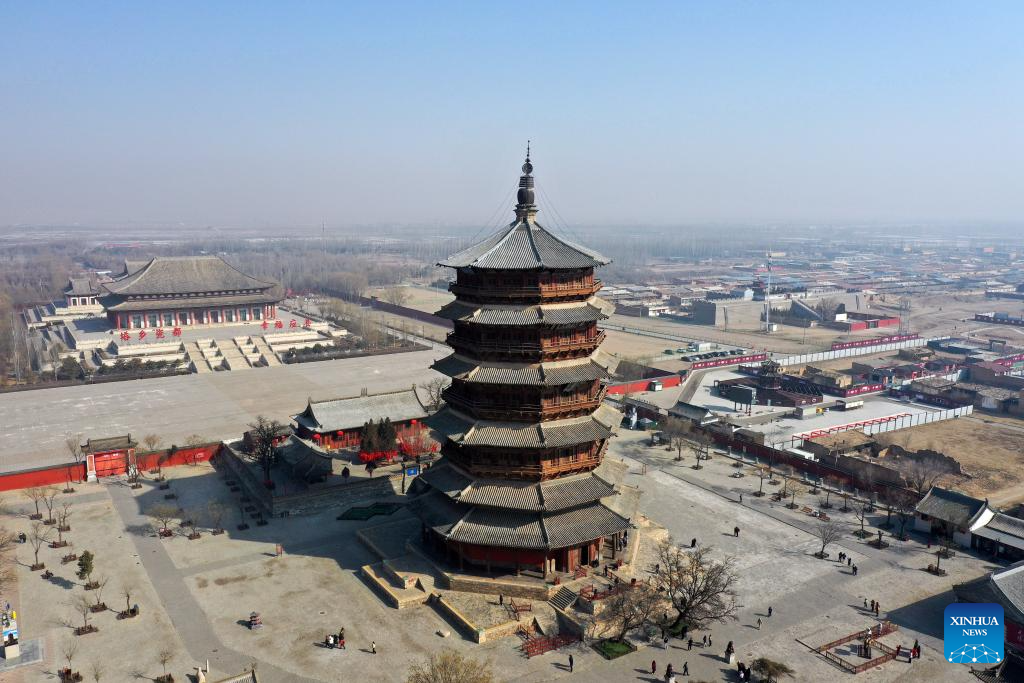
(373, 647)
(916, 651)
(736, 531)
(693, 542)
(654, 667)
(689, 644)
(686, 668)
(501, 599)
(865, 603)
(704, 640)
(855, 570)
(759, 623)
(571, 662)
(668, 669)
(770, 610)
(872, 606)
(710, 644)
(876, 609)
(849, 561)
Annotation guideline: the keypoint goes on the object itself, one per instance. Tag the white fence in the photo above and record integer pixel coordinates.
(880, 426)
(856, 351)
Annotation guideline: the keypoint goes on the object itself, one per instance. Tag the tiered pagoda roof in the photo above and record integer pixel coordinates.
(524, 431)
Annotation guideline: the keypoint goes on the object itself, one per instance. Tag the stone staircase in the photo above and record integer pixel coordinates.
(267, 353)
(196, 358)
(563, 599)
(232, 355)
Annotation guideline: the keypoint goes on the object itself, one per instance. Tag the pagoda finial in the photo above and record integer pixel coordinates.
(526, 209)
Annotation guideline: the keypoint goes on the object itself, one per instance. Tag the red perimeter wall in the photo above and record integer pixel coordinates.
(58, 474)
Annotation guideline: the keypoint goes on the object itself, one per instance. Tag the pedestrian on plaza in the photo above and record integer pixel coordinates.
(770, 610)
(668, 669)
(654, 667)
(341, 644)
(373, 647)
(898, 649)
(666, 641)
(736, 531)
(693, 543)
(741, 499)
(571, 662)
(689, 644)
(501, 599)
(686, 668)
(855, 570)
(759, 623)
(849, 561)
(916, 652)
(840, 557)
(876, 608)
(704, 641)
(872, 606)
(710, 644)
(865, 603)
(329, 641)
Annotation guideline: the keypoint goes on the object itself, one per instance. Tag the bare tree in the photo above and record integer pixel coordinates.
(164, 514)
(434, 390)
(83, 606)
(396, 296)
(127, 588)
(68, 650)
(262, 434)
(215, 513)
(828, 533)
(192, 519)
(36, 495)
(151, 442)
(63, 517)
(37, 538)
(905, 505)
(701, 590)
(862, 515)
(770, 669)
(678, 431)
(164, 657)
(831, 482)
(924, 474)
(100, 584)
(762, 473)
(73, 442)
(449, 666)
(50, 494)
(629, 609)
(97, 671)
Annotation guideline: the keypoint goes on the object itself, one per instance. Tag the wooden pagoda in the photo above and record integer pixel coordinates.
(521, 483)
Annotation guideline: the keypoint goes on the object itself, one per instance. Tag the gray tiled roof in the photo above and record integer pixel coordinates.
(80, 286)
(437, 511)
(553, 434)
(110, 443)
(305, 460)
(185, 275)
(598, 366)
(525, 245)
(1007, 525)
(502, 528)
(582, 524)
(1004, 586)
(355, 411)
(524, 315)
(569, 492)
(950, 506)
(526, 496)
(514, 529)
(115, 302)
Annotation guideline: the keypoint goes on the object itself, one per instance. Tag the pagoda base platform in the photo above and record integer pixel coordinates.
(398, 544)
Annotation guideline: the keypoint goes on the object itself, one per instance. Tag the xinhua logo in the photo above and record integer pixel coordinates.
(973, 633)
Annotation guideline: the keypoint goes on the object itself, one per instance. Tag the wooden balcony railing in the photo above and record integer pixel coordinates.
(546, 291)
(547, 409)
(531, 347)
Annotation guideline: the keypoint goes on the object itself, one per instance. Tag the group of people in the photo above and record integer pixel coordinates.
(336, 641)
(849, 562)
(670, 674)
(912, 654)
(873, 607)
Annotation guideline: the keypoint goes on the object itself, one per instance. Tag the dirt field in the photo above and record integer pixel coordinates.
(991, 452)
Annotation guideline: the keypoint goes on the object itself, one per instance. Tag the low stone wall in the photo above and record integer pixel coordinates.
(493, 633)
(467, 627)
(379, 586)
(468, 584)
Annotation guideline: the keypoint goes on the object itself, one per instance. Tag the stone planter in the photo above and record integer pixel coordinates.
(84, 630)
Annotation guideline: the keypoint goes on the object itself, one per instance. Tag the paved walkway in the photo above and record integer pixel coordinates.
(181, 606)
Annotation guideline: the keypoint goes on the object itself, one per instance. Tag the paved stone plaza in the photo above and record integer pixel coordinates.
(215, 405)
(196, 595)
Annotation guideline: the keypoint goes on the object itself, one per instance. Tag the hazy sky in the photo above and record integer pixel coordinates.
(257, 114)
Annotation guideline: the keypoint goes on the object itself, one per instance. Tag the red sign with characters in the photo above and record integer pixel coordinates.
(278, 324)
(176, 331)
(307, 323)
(125, 336)
(293, 323)
(159, 333)
(142, 334)
(264, 324)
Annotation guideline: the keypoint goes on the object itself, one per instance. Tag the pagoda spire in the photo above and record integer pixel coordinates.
(526, 208)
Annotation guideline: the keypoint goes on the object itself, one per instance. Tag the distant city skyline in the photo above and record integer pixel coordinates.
(263, 114)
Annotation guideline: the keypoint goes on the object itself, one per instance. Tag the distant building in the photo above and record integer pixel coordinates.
(81, 295)
(705, 312)
(338, 423)
(184, 291)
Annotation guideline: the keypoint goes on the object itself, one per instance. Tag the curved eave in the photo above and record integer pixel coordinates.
(525, 245)
(466, 431)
